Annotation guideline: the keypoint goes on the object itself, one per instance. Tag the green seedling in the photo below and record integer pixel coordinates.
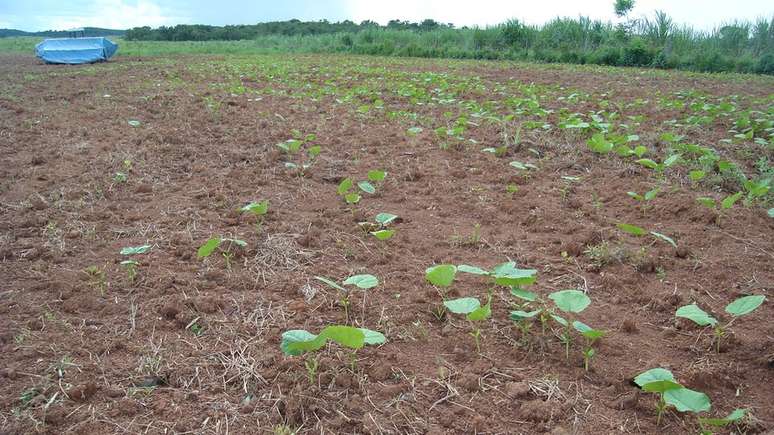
(591, 335)
(363, 282)
(259, 210)
(132, 265)
(570, 302)
(733, 417)
(344, 191)
(383, 234)
(725, 204)
(474, 312)
(298, 341)
(662, 382)
(214, 243)
(441, 275)
(756, 189)
(312, 364)
(292, 148)
(522, 166)
(505, 274)
(660, 167)
(120, 177)
(737, 308)
(645, 198)
(639, 231)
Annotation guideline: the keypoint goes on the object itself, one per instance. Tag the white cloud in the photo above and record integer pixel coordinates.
(115, 14)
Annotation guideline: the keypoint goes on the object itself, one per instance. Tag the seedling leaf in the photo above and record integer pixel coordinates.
(729, 201)
(385, 218)
(661, 386)
(376, 175)
(462, 305)
(570, 301)
(132, 250)
(559, 319)
(481, 313)
(523, 294)
(522, 315)
(441, 275)
(330, 283)
(362, 281)
(347, 336)
(208, 247)
(632, 229)
(373, 337)
(744, 305)
(664, 238)
(652, 375)
(297, 341)
(684, 399)
(587, 331)
(366, 187)
(735, 415)
(344, 186)
(257, 208)
(383, 234)
(697, 315)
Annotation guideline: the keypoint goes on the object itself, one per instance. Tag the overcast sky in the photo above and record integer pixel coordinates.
(121, 14)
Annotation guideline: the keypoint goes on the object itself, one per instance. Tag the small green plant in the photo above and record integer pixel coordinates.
(120, 177)
(344, 191)
(215, 243)
(363, 282)
(131, 265)
(660, 167)
(298, 341)
(737, 308)
(292, 147)
(591, 335)
(474, 312)
(257, 209)
(671, 393)
(639, 231)
(645, 198)
(312, 364)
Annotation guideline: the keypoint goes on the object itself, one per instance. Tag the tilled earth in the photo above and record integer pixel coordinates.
(192, 345)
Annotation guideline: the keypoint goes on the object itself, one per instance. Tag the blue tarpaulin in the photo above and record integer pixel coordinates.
(75, 50)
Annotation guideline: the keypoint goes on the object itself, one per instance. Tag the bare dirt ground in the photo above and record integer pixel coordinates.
(192, 345)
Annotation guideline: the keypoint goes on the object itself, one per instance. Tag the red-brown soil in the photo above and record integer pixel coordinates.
(193, 347)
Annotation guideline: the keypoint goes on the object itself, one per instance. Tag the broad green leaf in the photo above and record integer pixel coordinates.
(729, 201)
(522, 315)
(352, 198)
(208, 247)
(132, 250)
(133, 123)
(599, 144)
(652, 375)
(570, 301)
(314, 151)
(684, 399)
(648, 163)
(385, 218)
(462, 305)
(373, 337)
(344, 186)
(257, 208)
(347, 336)
(735, 415)
(635, 195)
(482, 313)
(362, 281)
(330, 283)
(297, 341)
(632, 229)
(413, 131)
(472, 269)
(696, 314)
(441, 275)
(661, 386)
(507, 274)
(640, 150)
(383, 234)
(129, 263)
(376, 175)
(238, 242)
(664, 238)
(523, 294)
(366, 187)
(745, 305)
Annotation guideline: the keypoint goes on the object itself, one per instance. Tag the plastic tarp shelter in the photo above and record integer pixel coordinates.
(75, 50)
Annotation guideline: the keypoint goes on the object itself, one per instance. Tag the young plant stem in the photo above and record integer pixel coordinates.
(660, 408)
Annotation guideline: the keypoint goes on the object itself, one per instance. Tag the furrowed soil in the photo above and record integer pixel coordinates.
(192, 345)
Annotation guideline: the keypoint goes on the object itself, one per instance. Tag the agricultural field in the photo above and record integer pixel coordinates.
(339, 244)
